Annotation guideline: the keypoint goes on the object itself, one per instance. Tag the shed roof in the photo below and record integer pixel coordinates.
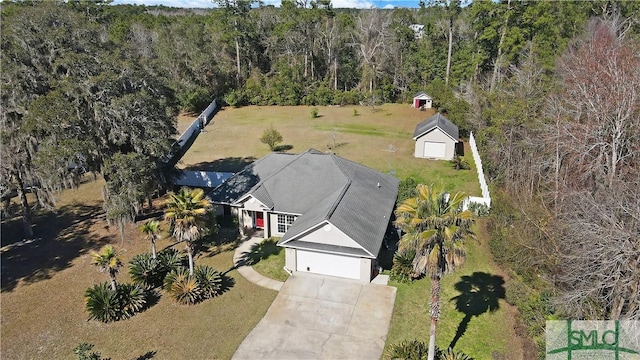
(422, 94)
(437, 121)
(321, 187)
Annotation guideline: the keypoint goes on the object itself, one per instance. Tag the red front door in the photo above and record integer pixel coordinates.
(259, 220)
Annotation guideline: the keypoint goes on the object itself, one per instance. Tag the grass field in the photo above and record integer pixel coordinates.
(43, 281)
(232, 140)
(488, 335)
(43, 284)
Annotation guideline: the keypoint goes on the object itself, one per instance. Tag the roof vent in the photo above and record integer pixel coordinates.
(378, 185)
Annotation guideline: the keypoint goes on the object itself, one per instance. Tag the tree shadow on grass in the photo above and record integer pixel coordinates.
(225, 239)
(61, 237)
(230, 164)
(147, 356)
(480, 293)
(259, 252)
(283, 148)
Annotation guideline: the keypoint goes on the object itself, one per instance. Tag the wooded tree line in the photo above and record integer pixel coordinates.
(552, 94)
(563, 154)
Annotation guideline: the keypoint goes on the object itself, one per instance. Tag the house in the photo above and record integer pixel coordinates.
(422, 101)
(418, 30)
(436, 138)
(331, 213)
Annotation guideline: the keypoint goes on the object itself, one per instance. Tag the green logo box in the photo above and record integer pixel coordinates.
(592, 340)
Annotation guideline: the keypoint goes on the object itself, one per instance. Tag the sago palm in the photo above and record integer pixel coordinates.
(108, 260)
(435, 226)
(151, 230)
(186, 211)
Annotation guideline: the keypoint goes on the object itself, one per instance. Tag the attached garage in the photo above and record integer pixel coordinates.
(328, 264)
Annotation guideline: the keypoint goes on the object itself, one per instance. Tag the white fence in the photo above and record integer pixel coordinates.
(486, 198)
(187, 138)
(198, 124)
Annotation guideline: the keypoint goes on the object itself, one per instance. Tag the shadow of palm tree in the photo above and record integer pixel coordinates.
(480, 292)
(259, 252)
(146, 356)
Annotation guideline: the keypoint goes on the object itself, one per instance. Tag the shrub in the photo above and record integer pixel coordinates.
(407, 189)
(182, 288)
(102, 303)
(83, 350)
(205, 283)
(351, 97)
(314, 112)
(402, 269)
(479, 209)
(415, 349)
(235, 98)
(355, 112)
(451, 354)
(459, 163)
(196, 99)
(106, 305)
(131, 298)
(409, 349)
(149, 273)
(209, 280)
(169, 260)
(143, 269)
(271, 137)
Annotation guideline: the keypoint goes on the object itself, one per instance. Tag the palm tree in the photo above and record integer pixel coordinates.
(151, 229)
(435, 227)
(108, 259)
(186, 212)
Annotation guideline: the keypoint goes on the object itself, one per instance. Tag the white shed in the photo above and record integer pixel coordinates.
(436, 138)
(422, 100)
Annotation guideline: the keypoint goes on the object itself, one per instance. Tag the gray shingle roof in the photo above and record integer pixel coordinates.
(439, 121)
(322, 187)
(240, 183)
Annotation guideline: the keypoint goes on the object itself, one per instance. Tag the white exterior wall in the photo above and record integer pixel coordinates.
(246, 221)
(365, 269)
(436, 135)
(331, 235)
(273, 221)
(253, 204)
(290, 259)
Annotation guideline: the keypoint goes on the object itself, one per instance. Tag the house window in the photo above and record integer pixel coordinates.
(284, 222)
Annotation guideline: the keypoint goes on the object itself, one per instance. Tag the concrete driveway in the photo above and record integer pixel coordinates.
(315, 317)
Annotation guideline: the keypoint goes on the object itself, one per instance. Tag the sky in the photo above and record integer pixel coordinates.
(359, 4)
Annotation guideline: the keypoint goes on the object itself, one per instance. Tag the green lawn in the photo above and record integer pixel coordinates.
(489, 335)
(233, 139)
(270, 261)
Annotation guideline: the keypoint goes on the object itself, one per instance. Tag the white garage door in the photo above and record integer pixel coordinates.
(434, 149)
(328, 264)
